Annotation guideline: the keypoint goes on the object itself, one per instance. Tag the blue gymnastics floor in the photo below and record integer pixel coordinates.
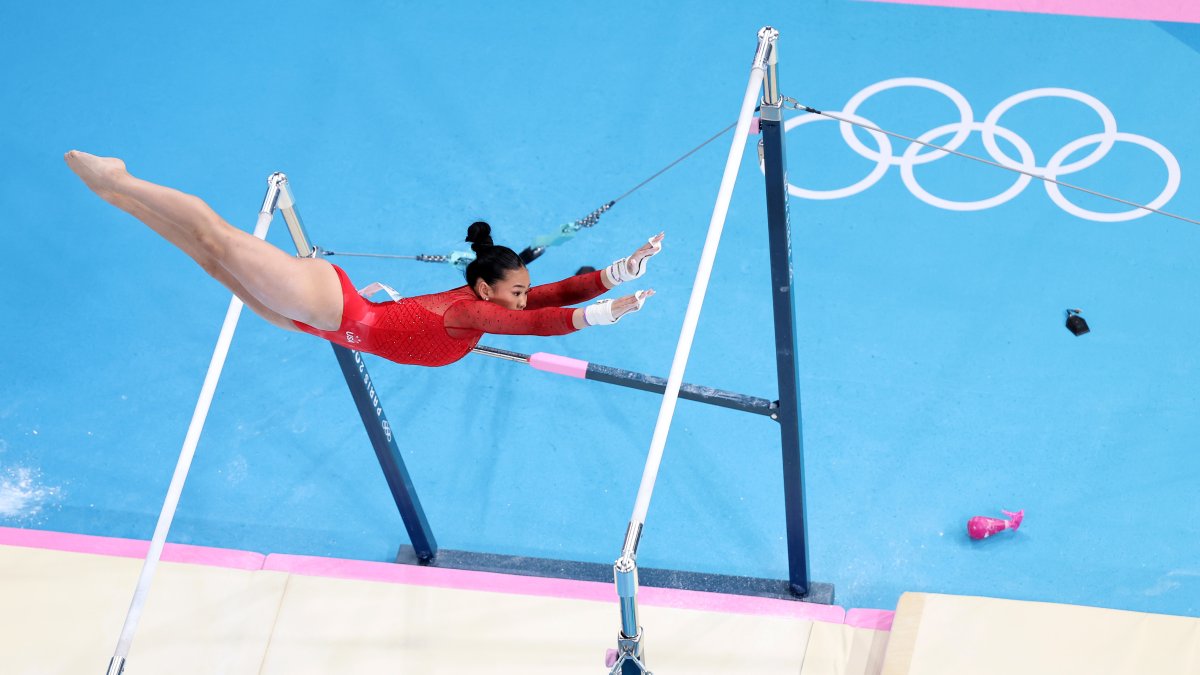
(938, 381)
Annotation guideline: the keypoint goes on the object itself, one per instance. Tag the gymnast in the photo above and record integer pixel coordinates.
(316, 297)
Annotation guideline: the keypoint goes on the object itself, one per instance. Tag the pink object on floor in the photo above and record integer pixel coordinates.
(982, 527)
(1184, 11)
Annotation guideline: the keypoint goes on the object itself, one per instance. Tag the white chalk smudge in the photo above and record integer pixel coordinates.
(1162, 587)
(22, 496)
(236, 469)
(1171, 581)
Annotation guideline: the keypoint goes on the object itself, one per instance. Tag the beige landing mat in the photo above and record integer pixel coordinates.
(337, 625)
(954, 635)
(836, 649)
(62, 613)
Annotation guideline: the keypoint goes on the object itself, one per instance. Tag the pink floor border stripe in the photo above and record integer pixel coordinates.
(440, 577)
(130, 548)
(875, 619)
(1184, 11)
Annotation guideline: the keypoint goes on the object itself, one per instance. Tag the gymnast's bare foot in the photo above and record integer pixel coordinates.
(100, 173)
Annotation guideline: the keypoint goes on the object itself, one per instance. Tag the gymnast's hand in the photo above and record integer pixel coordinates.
(634, 266)
(629, 303)
(608, 312)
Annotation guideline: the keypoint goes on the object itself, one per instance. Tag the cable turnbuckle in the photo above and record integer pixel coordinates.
(592, 218)
(797, 105)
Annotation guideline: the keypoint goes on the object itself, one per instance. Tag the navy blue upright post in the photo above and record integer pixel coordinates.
(358, 379)
(379, 430)
(786, 357)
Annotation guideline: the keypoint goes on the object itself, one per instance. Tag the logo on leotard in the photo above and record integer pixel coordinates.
(352, 338)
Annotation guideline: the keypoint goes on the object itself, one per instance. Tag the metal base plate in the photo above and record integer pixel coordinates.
(818, 593)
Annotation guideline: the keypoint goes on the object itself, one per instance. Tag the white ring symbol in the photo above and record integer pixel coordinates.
(910, 181)
(915, 153)
(881, 166)
(1055, 192)
(1106, 116)
(960, 102)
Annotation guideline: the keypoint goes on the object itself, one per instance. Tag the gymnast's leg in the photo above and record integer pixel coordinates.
(278, 286)
(214, 269)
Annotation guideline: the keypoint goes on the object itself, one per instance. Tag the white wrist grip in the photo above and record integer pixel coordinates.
(619, 271)
(601, 314)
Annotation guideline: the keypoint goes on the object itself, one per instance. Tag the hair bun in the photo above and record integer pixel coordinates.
(480, 236)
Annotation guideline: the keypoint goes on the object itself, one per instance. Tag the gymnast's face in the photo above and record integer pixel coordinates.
(510, 292)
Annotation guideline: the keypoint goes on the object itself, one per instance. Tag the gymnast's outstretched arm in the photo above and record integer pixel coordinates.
(584, 287)
(489, 317)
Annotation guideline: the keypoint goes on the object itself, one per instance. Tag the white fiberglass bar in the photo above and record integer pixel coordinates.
(699, 287)
(117, 664)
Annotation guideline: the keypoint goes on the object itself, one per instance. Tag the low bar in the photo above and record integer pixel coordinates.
(578, 368)
(692, 392)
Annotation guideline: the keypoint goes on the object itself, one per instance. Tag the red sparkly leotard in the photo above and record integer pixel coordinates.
(441, 328)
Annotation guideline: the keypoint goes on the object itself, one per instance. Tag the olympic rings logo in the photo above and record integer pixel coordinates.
(989, 128)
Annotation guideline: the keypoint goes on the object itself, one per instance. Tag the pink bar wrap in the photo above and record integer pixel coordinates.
(562, 365)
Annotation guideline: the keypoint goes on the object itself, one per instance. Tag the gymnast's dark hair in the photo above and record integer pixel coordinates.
(491, 262)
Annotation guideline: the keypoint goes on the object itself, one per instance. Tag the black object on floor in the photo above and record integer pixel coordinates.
(1076, 323)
